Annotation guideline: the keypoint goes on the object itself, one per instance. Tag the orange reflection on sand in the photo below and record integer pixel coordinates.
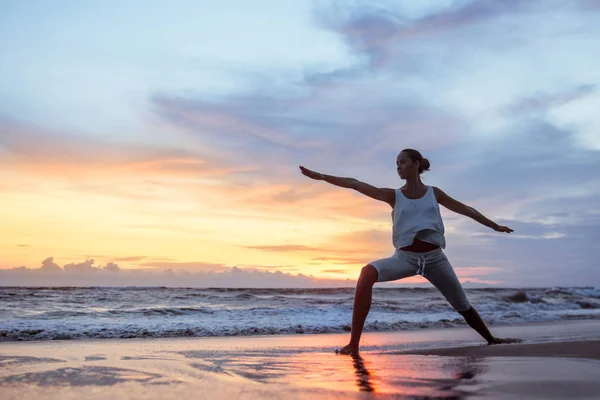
(364, 381)
(403, 375)
(335, 372)
(369, 378)
(414, 376)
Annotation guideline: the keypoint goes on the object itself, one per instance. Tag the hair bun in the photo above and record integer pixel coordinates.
(425, 165)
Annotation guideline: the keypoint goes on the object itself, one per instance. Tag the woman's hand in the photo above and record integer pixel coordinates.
(312, 174)
(500, 228)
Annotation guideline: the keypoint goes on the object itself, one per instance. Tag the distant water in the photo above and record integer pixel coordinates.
(140, 312)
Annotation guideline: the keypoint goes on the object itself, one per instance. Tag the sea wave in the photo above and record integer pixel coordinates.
(90, 313)
(145, 332)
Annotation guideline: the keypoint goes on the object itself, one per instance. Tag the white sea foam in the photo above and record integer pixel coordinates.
(135, 312)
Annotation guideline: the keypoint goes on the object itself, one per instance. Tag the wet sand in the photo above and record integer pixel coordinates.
(578, 349)
(557, 360)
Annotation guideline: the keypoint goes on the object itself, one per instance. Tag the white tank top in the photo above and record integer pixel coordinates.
(417, 219)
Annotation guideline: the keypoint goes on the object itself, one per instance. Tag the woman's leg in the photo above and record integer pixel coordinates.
(362, 304)
(474, 320)
(441, 274)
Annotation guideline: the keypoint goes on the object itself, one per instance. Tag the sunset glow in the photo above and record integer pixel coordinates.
(177, 149)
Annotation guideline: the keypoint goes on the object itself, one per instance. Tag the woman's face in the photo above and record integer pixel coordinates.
(405, 166)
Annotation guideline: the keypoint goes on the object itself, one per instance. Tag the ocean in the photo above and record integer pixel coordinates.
(75, 313)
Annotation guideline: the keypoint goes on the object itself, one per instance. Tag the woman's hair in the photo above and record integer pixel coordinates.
(415, 156)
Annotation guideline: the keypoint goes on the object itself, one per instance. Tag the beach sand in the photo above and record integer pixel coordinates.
(555, 361)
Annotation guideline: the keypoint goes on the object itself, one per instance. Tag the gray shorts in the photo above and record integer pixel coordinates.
(432, 265)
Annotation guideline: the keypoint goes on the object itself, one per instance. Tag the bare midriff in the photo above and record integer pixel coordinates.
(418, 246)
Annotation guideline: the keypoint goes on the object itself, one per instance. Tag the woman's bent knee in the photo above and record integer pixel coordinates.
(369, 274)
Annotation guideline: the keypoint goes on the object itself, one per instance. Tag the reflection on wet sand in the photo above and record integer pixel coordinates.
(452, 378)
(362, 374)
(438, 377)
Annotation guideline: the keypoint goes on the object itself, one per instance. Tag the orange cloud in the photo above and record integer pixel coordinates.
(335, 271)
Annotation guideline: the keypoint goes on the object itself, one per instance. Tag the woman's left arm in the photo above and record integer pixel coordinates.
(460, 208)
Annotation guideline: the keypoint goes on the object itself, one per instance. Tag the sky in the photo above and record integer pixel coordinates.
(158, 143)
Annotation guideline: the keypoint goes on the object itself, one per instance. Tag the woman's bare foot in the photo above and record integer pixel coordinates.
(348, 349)
(501, 341)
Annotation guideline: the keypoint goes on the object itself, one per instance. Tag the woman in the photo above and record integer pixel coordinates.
(418, 237)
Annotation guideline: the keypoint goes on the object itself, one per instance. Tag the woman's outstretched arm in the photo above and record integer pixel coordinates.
(382, 194)
(460, 208)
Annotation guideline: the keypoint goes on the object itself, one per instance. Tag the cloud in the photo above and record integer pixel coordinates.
(472, 272)
(85, 267)
(542, 102)
(225, 124)
(537, 256)
(473, 58)
(335, 271)
(142, 173)
(384, 31)
(187, 266)
(287, 248)
(524, 173)
(355, 247)
(333, 118)
(378, 30)
(86, 274)
(41, 152)
(339, 260)
(141, 258)
(330, 129)
(49, 266)
(112, 267)
(550, 235)
(322, 124)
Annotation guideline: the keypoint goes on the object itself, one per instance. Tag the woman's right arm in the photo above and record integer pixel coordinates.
(381, 194)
